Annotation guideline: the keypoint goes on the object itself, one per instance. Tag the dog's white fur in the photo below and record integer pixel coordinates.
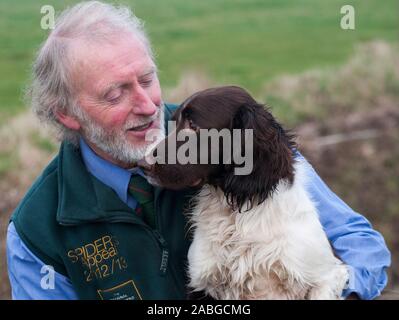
(277, 250)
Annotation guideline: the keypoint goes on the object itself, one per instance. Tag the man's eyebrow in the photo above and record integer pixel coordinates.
(111, 87)
(118, 84)
(148, 72)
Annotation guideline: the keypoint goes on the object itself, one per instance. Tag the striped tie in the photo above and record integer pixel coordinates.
(143, 193)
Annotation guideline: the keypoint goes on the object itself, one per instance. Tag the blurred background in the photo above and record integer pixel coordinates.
(338, 89)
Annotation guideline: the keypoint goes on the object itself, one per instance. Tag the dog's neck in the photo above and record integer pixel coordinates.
(215, 193)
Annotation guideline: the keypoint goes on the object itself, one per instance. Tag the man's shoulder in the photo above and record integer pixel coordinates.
(35, 217)
(44, 187)
(170, 109)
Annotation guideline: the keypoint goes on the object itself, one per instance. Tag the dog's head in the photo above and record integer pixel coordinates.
(225, 108)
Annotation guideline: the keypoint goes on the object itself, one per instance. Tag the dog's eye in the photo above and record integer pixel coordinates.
(192, 125)
(186, 113)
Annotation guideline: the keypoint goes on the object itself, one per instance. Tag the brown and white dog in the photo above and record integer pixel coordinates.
(256, 236)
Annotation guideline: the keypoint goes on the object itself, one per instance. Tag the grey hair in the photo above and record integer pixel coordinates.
(51, 89)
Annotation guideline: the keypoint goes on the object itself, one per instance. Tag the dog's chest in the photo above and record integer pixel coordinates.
(237, 254)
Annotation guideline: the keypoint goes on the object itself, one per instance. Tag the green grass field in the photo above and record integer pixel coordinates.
(246, 42)
(249, 43)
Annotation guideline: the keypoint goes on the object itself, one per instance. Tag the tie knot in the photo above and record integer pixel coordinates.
(140, 189)
(143, 192)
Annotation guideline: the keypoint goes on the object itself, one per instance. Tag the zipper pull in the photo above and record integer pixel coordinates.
(160, 239)
(164, 262)
(165, 253)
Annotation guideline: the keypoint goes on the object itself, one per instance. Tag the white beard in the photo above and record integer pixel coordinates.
(115, 143)
(277, 250)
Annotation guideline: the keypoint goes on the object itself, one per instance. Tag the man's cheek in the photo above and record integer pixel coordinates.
(156, 94)
(117, 119)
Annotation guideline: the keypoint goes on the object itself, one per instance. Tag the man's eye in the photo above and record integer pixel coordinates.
(114, 95)
(146, 83)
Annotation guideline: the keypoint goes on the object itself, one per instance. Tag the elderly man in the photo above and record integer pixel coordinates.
(91, 227)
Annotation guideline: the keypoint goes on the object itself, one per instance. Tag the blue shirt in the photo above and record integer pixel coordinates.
(351, 235)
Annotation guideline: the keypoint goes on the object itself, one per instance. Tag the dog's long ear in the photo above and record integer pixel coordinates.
(272, 158)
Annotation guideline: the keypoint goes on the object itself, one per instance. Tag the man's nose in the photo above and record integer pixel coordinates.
(142, 103)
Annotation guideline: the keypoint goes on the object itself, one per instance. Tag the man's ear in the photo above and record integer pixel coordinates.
(68, 121)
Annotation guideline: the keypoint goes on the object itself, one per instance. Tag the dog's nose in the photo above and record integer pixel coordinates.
(143, 164)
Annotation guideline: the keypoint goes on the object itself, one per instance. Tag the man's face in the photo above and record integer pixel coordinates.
(119, 95)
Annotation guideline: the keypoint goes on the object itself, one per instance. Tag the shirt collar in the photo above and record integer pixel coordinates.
(108, 173)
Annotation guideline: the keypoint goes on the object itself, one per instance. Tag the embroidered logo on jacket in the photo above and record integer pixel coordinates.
(99, 258)
(124, 291)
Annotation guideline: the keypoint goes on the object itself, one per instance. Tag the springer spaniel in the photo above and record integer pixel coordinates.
(256, 236)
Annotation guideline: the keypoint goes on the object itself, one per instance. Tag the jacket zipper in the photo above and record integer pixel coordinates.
(162, 244)
(159, 239)
(171, 266)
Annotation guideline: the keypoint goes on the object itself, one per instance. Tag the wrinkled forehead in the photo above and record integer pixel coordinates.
(96, 63)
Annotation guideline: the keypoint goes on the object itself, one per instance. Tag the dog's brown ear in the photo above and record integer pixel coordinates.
(273, 149)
